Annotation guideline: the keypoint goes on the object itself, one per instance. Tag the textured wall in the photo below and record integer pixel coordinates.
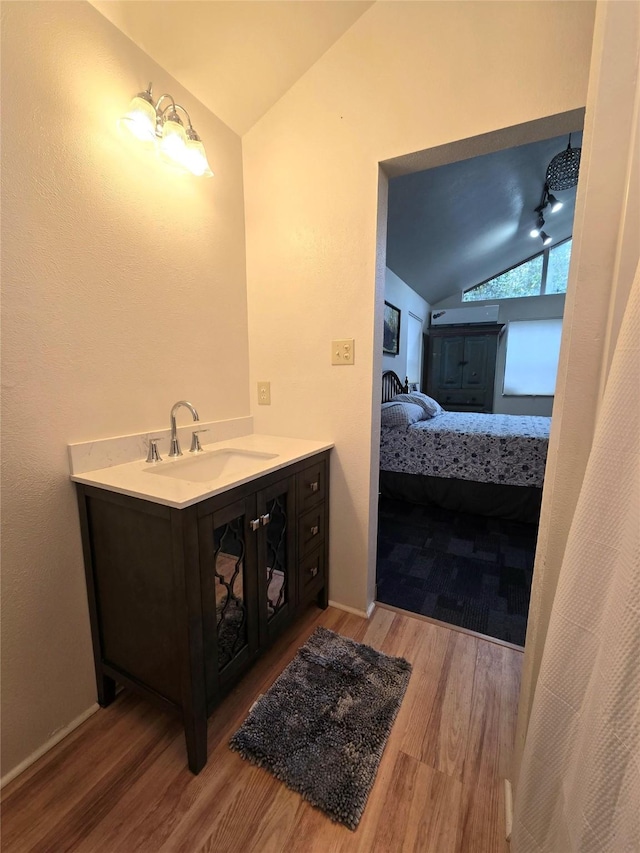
(124, 290)
(405, 77)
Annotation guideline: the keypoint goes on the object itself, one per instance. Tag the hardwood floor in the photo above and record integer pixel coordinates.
(120, 782)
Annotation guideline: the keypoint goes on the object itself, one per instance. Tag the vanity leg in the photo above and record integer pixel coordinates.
(184, 526)
(323, 597)
(106, 690)
(195, 732)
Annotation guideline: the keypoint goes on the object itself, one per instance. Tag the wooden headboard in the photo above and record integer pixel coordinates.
(392, 385)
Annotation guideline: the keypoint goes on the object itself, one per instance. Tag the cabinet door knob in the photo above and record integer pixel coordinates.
(265, 519)
(314, 486)
(314, 530)
(254, 524)
(313, 571)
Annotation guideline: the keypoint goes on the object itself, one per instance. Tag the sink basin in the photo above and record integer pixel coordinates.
(212, 464)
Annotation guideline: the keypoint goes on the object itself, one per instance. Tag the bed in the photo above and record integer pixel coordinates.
(469, 462)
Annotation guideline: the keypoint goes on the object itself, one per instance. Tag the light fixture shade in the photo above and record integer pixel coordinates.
(555, 204)
(174, 140)
(564, 169)
(140, 119)
(196, 159)
(537, 229)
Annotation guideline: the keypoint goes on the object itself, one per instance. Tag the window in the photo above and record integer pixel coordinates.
(544, 273)
(533, 349)
(558, 268)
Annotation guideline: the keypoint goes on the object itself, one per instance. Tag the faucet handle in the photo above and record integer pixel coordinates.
(153, 455)
(196, 447)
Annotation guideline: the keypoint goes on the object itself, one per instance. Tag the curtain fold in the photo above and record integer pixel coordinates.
(579, 784)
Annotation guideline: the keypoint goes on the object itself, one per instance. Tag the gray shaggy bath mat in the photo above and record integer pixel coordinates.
(322, 726)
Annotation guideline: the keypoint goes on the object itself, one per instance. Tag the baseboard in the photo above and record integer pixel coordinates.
(508, 808)
(61, 734)
(365, 614)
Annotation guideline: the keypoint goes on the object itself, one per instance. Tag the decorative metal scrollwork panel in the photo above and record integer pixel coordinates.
(231, 609)
(277, 586)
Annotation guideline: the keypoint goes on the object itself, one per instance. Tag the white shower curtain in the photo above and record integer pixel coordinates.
(579, 785)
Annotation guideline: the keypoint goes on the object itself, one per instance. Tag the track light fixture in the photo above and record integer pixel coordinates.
(163, 127)
(546, 200)
(535, 232)
(553, 201)
(562, 174)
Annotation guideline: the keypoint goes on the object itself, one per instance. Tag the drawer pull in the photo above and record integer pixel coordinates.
(314, 486)
(313, 571)
(254, 524)
(314, 530)
(265, 519)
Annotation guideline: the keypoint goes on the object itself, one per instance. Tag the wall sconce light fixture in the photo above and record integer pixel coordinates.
(163, 127)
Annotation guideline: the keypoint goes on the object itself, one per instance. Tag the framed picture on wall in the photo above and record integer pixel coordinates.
(391, 335)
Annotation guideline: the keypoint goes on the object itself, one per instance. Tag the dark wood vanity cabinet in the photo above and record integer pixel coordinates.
(182, 601)
(460, 366)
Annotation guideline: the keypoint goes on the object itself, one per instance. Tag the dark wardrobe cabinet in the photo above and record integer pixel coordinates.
(460, 366)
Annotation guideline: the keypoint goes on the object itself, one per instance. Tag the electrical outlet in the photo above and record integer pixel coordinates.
(264, 393)
(343, 352)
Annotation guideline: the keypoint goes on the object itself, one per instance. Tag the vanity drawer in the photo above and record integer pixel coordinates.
(312, 486)
(311, 529)
(311, 572)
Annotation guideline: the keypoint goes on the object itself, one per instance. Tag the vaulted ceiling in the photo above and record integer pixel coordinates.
(238, 57)
(457, 225)
(449, 227)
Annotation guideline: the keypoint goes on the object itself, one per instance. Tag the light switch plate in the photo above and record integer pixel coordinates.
(343, 351)
(264, 393)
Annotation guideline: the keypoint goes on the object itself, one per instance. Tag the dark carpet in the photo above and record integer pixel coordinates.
(322, 726)
(467, 570)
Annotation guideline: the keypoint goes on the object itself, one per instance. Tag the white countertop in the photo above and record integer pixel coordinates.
(140, 479)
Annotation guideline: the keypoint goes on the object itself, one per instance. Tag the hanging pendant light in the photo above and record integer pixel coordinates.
(564, 169)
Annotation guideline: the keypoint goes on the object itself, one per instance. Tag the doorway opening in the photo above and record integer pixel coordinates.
(476, 246)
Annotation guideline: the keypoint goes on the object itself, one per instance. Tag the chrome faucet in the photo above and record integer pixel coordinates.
(175, 444)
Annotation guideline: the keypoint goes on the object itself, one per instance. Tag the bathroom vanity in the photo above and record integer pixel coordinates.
(190, 580)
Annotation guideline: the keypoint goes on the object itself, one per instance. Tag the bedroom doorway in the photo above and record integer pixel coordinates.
(460, 489)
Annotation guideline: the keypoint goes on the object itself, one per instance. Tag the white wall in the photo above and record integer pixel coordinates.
(123, 291)
(524, 308)
(406, 77)
(398, 293)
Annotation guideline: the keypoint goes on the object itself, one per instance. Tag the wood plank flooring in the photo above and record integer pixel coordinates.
(120, 783)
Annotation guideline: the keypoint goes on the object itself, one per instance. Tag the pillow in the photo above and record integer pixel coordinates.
(430, 406)
(399, 414)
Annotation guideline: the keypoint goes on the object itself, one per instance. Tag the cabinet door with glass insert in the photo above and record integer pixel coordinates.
(276, 545)
(229, 588)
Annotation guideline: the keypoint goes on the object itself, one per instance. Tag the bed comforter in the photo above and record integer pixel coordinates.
(507, 449)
